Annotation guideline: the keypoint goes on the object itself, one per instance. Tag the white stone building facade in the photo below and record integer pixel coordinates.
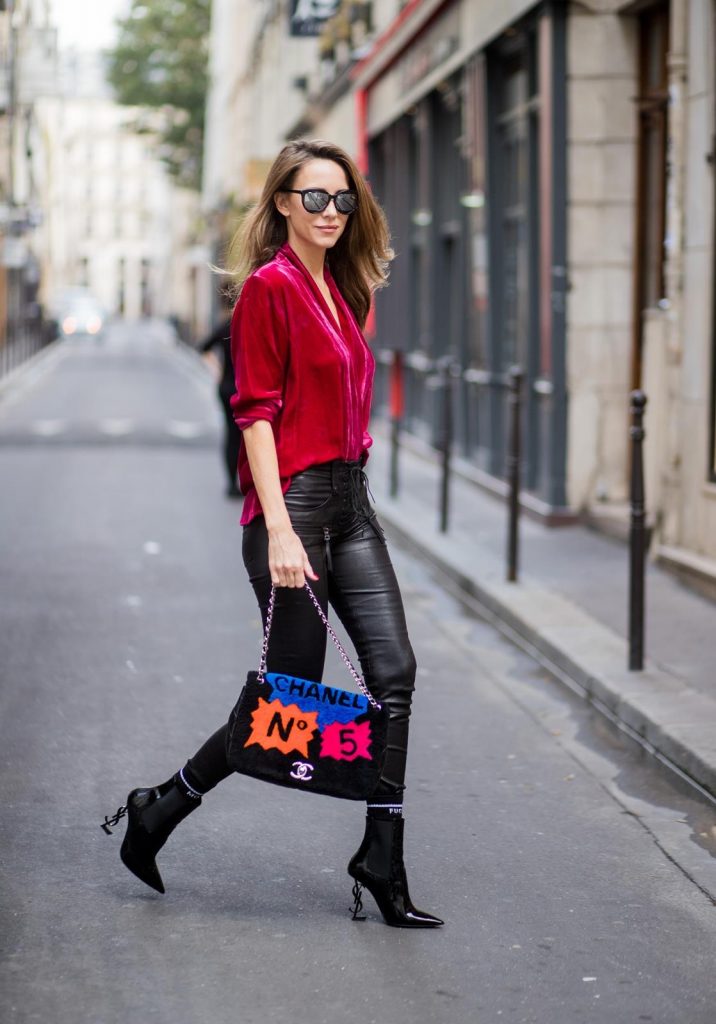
(642, 90)
(260, 75)
(116, 224)
(28, 70)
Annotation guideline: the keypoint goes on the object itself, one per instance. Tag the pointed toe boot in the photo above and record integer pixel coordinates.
(153, 814)
(378, 866)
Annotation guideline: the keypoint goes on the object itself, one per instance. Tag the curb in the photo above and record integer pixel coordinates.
(671, 718)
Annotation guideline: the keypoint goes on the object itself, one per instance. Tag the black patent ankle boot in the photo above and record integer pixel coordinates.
(153, 816)
(378, 865)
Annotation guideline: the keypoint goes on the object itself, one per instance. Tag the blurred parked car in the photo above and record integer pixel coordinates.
(77, 312)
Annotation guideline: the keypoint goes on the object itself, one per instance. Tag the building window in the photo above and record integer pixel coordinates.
(474, 200)
(514, 191)
(513, 216)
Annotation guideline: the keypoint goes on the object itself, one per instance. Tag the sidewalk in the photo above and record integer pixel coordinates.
(571, 604)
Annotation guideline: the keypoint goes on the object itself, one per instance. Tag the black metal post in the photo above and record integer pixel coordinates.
(445, 441)
(513, 470)
(637, 535)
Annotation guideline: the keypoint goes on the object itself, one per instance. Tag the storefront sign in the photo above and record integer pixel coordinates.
(307, 16)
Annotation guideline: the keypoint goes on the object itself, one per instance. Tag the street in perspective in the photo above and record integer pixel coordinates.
(423, 285)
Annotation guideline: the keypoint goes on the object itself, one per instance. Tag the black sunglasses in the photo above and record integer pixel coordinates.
(316, 200)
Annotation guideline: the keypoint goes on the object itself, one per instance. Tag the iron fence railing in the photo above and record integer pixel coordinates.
(439, 378)
(22, 343)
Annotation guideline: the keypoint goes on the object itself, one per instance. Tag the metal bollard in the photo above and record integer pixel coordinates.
(513, 470)
(637, 535)
(445, 371)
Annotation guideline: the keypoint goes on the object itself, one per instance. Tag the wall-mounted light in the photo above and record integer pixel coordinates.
(473, 200)
(421, 218)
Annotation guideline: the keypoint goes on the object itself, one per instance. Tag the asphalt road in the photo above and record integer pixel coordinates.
(577, 876)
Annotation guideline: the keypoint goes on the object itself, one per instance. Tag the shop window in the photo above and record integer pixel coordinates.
(513, 202)
(449, 184)
(513, 193)
(473, 201)
(391, 177)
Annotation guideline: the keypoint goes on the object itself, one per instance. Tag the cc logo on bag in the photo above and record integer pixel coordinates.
(302, 771)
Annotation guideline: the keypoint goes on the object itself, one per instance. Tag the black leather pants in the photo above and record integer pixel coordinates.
(329, 510)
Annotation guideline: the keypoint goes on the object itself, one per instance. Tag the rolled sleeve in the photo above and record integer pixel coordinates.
(259, 351)
(259, 411)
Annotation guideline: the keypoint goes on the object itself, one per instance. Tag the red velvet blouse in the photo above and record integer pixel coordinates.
(297, 370)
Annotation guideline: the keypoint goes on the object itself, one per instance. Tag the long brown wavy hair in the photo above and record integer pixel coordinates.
(360, 258)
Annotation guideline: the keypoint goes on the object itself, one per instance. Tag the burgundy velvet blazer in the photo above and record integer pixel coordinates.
(295, 368)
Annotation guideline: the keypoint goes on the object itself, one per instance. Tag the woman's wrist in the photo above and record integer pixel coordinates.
(277, 524)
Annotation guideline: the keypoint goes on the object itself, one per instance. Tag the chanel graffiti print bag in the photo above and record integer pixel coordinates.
(306, 735)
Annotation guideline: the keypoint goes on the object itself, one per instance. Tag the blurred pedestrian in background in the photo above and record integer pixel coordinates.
(220, 340)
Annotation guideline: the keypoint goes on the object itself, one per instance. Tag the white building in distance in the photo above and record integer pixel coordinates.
(116, 223)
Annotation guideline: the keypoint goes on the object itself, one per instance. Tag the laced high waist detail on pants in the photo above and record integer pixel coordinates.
(359, 487)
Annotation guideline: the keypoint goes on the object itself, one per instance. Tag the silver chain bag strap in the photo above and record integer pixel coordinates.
(304, 734)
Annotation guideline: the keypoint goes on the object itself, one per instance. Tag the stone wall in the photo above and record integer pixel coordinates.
(601, 49)
(690, 500)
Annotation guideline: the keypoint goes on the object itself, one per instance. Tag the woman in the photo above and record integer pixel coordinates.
(314, 248)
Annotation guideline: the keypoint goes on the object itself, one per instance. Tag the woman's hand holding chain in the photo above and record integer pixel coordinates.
(288, 561)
